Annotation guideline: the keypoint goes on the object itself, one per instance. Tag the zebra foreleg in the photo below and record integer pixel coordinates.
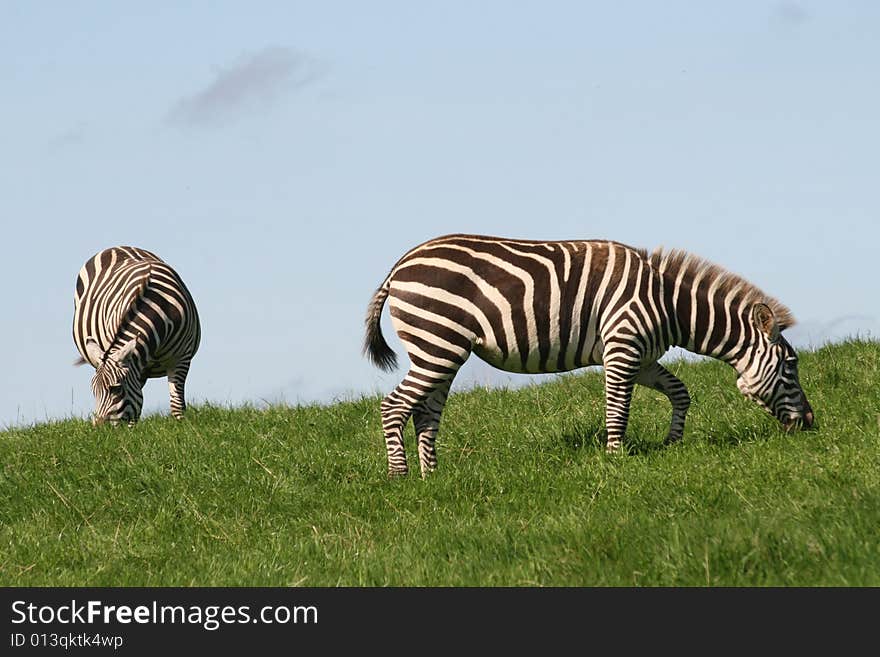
(620, 377)
(426, 418)
(176, 388)
(659, 378)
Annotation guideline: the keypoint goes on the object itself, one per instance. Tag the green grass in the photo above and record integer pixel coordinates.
(524, 494)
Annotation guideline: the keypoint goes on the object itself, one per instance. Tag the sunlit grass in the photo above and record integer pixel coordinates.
(524, 494)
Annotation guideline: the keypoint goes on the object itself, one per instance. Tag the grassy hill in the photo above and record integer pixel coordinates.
(524, 494)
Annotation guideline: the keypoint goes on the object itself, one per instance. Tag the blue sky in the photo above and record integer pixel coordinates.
(281, 156)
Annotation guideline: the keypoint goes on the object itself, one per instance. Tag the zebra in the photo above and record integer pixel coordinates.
(554, 306)
(133, 319)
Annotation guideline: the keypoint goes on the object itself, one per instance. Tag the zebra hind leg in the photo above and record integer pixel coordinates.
(176, 388)
(426, 418)
(398, 406)
(396, 409)
(659, 378)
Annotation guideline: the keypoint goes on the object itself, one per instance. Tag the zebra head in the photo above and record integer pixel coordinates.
(117, 385)
(768, 373)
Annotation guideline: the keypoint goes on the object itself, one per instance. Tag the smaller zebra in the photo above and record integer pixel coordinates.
(133, 320)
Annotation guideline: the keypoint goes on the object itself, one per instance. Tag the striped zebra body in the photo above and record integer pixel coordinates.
(535, 307)
(134, 319)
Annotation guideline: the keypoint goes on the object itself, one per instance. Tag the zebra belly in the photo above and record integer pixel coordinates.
(155, 371)
(591, 354)
(159, 367)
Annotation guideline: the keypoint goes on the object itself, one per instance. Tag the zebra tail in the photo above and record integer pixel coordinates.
(375, 346)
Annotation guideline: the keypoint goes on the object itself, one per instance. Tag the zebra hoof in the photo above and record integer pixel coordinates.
(614, 447)
(395, 474)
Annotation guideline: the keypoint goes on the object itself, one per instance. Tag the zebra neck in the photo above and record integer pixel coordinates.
(711, 325)
(710, 308)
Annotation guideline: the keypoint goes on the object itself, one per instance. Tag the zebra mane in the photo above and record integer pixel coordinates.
(675, 261)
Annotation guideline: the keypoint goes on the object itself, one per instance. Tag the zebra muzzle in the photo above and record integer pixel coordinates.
(805, 421)
(808, 420)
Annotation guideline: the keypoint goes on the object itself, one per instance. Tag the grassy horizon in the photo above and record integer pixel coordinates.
(524, 494)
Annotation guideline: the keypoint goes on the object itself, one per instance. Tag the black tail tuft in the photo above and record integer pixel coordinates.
(375, 346)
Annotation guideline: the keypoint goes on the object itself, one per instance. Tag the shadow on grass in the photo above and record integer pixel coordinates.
(734, 436)
(594, 437)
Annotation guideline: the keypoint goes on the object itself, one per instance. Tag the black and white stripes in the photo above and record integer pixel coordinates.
(529, 306)
(134, 319)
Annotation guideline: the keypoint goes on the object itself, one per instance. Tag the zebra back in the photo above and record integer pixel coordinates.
(125, 293)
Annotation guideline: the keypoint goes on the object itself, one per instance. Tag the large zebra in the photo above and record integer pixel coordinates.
(133, 319)
(530, 306)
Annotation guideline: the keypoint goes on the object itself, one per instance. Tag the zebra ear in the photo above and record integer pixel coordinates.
(125, 351)
(94, 351)
(765, 321)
